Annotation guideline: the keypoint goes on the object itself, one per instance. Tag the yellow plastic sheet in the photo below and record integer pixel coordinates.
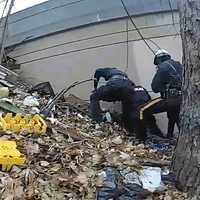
(19, 123)
(9, 155)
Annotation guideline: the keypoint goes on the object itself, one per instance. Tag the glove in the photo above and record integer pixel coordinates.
(107, 117)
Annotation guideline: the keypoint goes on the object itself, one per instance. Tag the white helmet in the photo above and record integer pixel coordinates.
(159, 54)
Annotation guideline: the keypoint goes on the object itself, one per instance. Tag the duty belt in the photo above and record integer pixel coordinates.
(118, 77)
(172, 93)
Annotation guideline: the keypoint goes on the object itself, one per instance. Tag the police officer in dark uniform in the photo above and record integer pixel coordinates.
(167, 81)
(120, 88)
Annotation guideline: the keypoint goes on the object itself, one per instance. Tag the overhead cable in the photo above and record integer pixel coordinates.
(47, 108)
(173, 19)
(127, 48)
(127, 12)
(4, 9)
(5, 26)
(77, 50)
(154, 43)
(79, 40)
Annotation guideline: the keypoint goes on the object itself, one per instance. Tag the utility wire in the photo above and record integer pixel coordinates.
(4, 9)
(127, 48)
(127, 12)
(46, 109)
(173, 19)
(154, 43)
(79, 40)
(5, 29)
(76, 50)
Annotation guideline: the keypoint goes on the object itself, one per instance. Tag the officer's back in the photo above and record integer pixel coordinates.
(107, 73)
(169, 73)
(139, 97)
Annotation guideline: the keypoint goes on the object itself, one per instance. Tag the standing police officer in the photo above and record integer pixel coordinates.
(167, 81)
(120, 88)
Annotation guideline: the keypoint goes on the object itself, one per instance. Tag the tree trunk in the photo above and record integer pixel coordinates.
(186, 159)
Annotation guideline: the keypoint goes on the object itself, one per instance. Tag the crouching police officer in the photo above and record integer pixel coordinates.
(120, 88)
(167, 81)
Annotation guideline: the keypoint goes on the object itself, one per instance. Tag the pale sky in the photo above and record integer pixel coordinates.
(20, 4)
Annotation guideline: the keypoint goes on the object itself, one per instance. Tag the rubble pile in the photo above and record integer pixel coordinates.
(79, 159)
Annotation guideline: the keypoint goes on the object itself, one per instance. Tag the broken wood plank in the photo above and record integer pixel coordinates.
(155, 163)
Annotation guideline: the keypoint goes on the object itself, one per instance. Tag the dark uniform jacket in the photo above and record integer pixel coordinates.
(169, 74)
(106, 73)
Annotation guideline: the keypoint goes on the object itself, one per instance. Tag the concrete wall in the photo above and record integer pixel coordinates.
(74, 55)
(59, 15)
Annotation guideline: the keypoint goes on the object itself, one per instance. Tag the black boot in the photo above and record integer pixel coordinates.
(170, 131)
(156, 131)
(153, 127)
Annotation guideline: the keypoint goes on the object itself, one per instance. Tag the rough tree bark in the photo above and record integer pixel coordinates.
(186, 159)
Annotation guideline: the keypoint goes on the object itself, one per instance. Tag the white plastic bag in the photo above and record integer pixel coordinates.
(151, 178)
(4, 92)
(31, 101)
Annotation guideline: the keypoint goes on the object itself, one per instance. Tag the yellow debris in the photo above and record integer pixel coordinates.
(18, 123)
(9, 155)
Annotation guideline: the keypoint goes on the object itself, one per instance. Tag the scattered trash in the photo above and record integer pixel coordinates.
(109, 188)
(8, 75)
(20, 93)
(149, 178)
(44, 163)
(107, 117)
(77, 158)
(9, 155)
(76, 104)
(113, 187)
(18, 123)
(44, 88)
(6, 83)
(165, 171)
(6, 100)
(34, 110)
(97, 126)
(31, 101)
(4, 92)
(6, 105)
(47, 109)
(80, 116)
(160, 147)
(117, 140)
(130, 177)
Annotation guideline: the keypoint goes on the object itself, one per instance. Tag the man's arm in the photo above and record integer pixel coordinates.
(97, 76)
(96, 83)
(158, 82)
